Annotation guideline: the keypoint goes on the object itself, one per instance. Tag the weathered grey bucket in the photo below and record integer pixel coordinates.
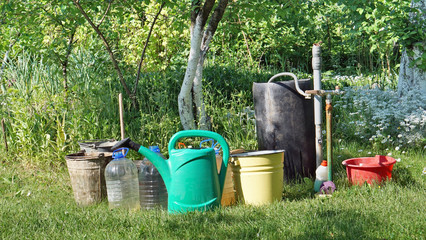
(97, 145)
(86, 172)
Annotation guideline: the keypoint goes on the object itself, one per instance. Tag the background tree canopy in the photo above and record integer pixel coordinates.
(357, 36)
(64, 62)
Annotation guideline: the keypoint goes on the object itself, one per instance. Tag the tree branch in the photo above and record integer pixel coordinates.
(53, 18)
(146, 45)
(195, 9)
(108, 48)
(217, 16)
(65, 62)
(212, 26)
(246, 41)
(205, 12)
(106, 12)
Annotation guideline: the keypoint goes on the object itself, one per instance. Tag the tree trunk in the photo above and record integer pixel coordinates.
(185, 100)
(197, 89)
(191, 95)
(412, 77)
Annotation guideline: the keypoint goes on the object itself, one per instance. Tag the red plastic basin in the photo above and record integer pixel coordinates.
(369, 169)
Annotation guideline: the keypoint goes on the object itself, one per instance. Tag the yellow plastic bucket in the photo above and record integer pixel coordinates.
(258, 176)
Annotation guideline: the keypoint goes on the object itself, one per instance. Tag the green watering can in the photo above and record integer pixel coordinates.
(190, 175)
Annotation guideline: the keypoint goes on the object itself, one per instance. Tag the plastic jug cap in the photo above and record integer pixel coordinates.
(324, 163)
(155, 149)
(117, 154)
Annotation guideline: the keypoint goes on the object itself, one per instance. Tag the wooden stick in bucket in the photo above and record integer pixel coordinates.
(120, 103)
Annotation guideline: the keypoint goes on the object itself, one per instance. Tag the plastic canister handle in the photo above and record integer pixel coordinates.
(208, 140)
(119, 153)
(213, 145)
(181, 145)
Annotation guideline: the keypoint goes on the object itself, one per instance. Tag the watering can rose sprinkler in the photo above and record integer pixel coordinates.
(190, 175)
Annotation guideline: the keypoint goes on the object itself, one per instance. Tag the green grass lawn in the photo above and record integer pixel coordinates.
(36, 202)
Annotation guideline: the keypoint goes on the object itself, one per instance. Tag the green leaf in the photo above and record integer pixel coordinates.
(360, 10)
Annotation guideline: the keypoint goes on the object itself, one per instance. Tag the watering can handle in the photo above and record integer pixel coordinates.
(201, 133)
(207, 134)
(296, 83)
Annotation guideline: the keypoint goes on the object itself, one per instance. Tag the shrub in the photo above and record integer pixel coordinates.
(382, 117)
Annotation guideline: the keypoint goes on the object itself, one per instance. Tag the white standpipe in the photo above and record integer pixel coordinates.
(316, 66)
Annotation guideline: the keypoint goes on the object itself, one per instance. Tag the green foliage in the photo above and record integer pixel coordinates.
(37, 114)
(382, 118)
(357, 36)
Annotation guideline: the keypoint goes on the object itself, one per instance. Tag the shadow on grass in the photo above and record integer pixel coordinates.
(303, 188)
(275, 222)
(220, 224)
(403, 177)
(298, 189)
(339, 224)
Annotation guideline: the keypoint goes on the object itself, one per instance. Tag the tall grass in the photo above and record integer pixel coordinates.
(43, 125)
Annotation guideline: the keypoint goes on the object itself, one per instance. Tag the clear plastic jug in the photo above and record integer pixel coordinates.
(121, 176)
(152, 190)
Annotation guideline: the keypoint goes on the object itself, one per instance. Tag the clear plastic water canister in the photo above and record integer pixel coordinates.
(121, 176)
(152, 190)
